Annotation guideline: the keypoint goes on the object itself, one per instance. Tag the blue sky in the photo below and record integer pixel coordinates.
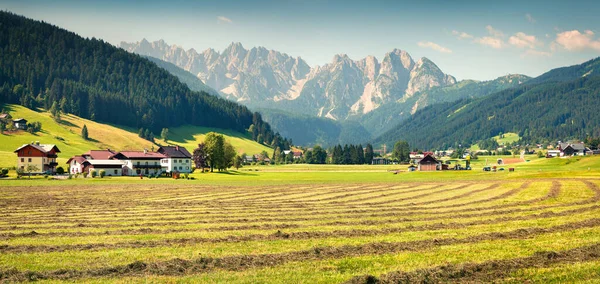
(468, 39)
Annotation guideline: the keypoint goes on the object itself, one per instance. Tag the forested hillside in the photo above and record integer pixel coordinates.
(389, 115)
(547, 111)
(41, 64)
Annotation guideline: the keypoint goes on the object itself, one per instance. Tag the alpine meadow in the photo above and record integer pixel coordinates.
(270, 141)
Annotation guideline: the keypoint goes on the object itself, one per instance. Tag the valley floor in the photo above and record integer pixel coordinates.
(308, 224)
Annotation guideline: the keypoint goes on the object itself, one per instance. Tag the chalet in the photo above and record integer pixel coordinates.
(20, 123)
(39, 158)
(140, 162)
(177, 159)
(429, 163)
(572, 149)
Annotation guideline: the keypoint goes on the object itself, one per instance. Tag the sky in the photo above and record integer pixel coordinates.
(479, 40)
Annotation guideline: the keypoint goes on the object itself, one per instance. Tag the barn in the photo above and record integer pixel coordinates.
(429, 163)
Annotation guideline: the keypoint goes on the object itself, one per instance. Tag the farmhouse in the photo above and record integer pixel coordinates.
(429, 163)
(140, 162)
(572, 149)
(20, 123)
(177, 159)
(37, 158)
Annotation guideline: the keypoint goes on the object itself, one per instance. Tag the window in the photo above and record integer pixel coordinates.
(138, 163)
(116, 172)
(29, 160)
(22, 160)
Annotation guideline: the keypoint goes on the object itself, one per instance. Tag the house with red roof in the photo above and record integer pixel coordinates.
(96, 160)
(41, 157)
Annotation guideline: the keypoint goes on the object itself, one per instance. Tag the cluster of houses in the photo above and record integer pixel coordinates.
(36, 158)
(19, 123)
(570, 149)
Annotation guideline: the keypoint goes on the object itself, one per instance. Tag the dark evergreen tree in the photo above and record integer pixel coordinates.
(84, 133)
(369, 154)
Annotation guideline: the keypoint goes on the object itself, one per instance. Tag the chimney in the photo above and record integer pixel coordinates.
(37, 143)
(145, 151)
(177, 147)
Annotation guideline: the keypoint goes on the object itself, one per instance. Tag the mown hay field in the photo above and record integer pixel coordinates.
(507, 229)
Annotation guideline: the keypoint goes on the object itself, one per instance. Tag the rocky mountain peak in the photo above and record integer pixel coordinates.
(260, 77)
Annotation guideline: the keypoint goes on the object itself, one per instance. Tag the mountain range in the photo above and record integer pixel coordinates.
(367, 97)
(266, 78)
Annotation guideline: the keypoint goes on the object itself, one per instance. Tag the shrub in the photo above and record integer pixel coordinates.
(102, 173)
(4, 172)
(20, 172)
(186, 175)
(46, 176)
(85, 174)
(60, 170)
(93, 173)
(70, 176)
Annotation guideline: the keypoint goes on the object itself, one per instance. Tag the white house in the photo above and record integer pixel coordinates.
(177, 159)
(110, 167)
(140, 162)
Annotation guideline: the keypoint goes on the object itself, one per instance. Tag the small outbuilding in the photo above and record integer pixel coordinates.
(429, 163)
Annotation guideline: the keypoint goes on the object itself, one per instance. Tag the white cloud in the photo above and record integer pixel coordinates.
(575, 40)
(461, 35)
(434, 46)
(530, 18)
(490, 41)
(494, 32)
(223, 19)
(523, 40)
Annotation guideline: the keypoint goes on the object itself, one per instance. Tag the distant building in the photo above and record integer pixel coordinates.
(5, 116)
(429, 163)
(177, 159)
(41, 156)
(140, 162)
(96, 160)
(381, 161)
(20, 123)
(573, 149)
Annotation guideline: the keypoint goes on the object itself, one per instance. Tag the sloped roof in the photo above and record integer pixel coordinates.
(99, 154)
(79, 159)
(428, 158)
(45, 148)
(139, 155)
(174, 152)
(19, 119)
(4, 115)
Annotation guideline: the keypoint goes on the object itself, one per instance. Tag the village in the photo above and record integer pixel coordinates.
(36, 158)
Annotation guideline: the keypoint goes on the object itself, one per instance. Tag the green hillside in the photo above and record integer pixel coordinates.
(539, 113)
(42, 65)
(66, 135)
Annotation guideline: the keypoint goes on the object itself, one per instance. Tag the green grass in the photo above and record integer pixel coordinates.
(67, 136)
(508, 138)
(189, 137)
